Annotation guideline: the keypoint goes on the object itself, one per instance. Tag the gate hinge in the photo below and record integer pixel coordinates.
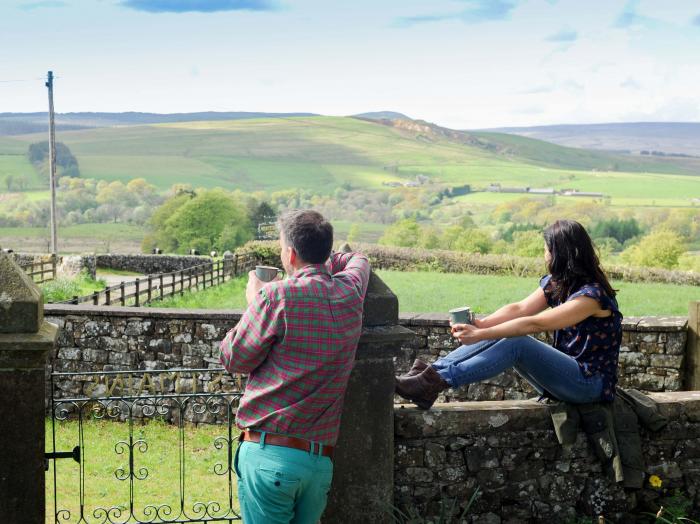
(75, 455)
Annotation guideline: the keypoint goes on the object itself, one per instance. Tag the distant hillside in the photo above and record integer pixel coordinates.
(669, 138)
(383, 115)
(25, 123)
(324, 154)
(544, 153)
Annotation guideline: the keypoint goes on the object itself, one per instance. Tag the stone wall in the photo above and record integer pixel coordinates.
(114, 338)
(509, 450)
(652, 356)
(110, 338)
(150, 264)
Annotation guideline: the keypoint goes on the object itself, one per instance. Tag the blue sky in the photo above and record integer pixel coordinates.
(459, 63)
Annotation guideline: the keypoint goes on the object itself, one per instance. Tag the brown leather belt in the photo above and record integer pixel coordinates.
(273, 439)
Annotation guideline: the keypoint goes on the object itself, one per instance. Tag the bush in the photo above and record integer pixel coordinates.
(659, 249)
(63, 288)
(528, 243)
(408, 259)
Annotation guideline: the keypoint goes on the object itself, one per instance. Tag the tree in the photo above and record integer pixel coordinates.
(474, 241)
(404, 233)
(619, 229)
(528, 243)
(658, 249)
(211, 219)
(354, 233)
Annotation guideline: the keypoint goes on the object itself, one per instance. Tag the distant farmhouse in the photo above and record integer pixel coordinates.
(420, 180)
(497, 188)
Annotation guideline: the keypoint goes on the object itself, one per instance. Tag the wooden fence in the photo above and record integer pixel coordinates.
(41, 271)
(143, 291)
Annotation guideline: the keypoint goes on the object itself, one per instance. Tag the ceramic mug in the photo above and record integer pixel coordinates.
(267, 273)
(461, 315)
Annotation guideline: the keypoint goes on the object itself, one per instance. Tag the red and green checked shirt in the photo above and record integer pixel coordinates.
(297, 343)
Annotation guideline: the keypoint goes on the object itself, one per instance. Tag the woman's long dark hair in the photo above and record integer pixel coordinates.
(574, 261)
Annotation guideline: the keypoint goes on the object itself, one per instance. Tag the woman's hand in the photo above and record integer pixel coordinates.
(467, 333)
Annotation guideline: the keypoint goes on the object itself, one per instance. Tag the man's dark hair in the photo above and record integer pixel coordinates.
(309, 233)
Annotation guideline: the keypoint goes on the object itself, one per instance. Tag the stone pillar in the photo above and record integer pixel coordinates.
(228, 264)
(692, 379)
(25, 340)
(363, 479)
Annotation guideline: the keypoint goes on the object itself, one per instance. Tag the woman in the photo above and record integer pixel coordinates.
(587, 325)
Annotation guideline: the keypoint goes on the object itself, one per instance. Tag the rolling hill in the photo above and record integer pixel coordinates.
(667, 137)
(323, 153)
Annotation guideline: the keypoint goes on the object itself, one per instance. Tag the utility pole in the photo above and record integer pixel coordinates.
(52, 165)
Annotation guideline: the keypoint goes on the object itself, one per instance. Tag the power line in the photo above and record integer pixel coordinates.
(25, 80)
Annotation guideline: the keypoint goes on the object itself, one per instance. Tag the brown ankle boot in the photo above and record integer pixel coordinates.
(418, 366)
(421, 389)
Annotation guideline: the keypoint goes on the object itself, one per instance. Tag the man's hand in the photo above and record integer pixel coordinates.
(255, 285)
(467, 333)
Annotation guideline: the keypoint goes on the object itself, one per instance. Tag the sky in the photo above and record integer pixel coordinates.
(464, 64)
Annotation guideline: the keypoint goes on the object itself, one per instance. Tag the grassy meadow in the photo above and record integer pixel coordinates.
(426, 292)
(161, 486)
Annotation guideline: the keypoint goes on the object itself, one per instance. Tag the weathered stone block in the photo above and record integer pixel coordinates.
(70, 353)
(634, 359)
(675, 345)
(667, 361)
(99, 356)
(646, 382)
(434, 455)
(122, 359)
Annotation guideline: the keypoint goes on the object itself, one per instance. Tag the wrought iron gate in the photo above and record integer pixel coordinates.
(89, 409)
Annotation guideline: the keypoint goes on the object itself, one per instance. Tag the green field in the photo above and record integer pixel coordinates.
(322, 153)
(423, 292)
(79, 238)
(101, 459)
(18, 166)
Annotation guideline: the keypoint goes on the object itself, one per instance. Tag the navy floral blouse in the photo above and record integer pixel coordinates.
(593, 342)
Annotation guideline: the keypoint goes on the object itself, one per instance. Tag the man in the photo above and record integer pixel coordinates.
(297, 342)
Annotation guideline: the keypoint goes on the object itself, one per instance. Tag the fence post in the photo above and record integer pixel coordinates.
(692, 378)
(172, 291)
(150, 285)
(235, 265)
(108, 299)
(75, 300)
(204, 277)
(182, 282)
(161, 286)
(121, 291)
(95, 298)
(137, 292)
(25, 341)
(53, 266)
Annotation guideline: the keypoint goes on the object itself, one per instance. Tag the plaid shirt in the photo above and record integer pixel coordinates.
(297, 342)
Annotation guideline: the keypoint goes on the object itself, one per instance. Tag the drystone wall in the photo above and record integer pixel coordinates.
(150, 264)
(510, 452)
(652, 357)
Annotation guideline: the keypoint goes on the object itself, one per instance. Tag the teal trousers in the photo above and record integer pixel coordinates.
(280, 485)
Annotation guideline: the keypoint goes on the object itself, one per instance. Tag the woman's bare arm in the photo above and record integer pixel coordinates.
(567, 314)
(530, 305)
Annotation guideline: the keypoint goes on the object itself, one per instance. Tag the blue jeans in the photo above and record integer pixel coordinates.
(543, 366)
(280, 485)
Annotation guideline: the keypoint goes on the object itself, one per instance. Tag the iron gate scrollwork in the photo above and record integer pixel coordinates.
(180, 397)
